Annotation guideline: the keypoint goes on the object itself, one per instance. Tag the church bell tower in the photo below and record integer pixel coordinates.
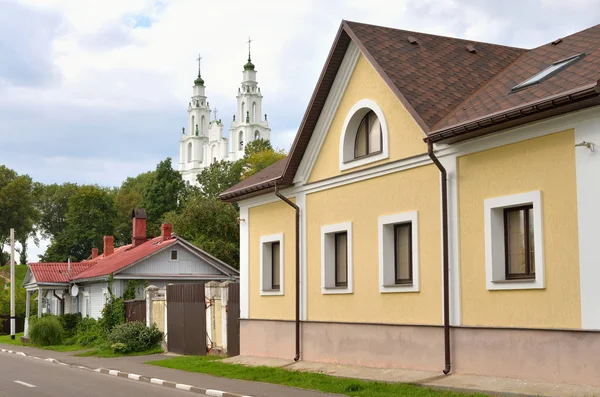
(248, 122)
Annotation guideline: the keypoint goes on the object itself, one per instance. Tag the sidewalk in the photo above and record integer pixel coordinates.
(459, 383)
(135, 365)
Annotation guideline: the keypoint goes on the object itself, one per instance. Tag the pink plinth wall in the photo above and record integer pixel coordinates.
(541, 355)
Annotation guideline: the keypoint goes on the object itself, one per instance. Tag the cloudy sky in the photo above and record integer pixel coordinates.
(95, 91)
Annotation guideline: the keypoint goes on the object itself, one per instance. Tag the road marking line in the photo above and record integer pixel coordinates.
(24, 383)
(182, 386)
(214, 393)
(113, 372)
(157, 381)
(21, 354)
(134, 376)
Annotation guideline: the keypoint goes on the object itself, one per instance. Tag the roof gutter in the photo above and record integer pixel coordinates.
(517, 115)
(446, 266)
(234, 195)
(287, 201)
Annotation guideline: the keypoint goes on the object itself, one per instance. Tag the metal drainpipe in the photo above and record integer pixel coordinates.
(287, 201)
(446, 267)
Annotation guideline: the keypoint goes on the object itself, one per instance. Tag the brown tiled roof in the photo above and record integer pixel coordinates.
(265, 177)
(450, 86)
(495, 96)
(437, 73)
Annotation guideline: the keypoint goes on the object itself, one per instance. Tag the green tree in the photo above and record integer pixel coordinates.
(165, 191)
(258, 161)
(219, 177)
(23, 253)
(52, 203)
(129, 196)
(211, 225)
(256, 146)
(16, 206)
(89, 217)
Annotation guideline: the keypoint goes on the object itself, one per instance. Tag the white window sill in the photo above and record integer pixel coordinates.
(396, 288)
(271, 292)
(518, 284)
(336, 290)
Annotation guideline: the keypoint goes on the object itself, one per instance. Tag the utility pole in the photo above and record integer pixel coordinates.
(12, 283)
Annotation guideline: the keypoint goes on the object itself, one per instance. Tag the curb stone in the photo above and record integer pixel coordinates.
(141, 378)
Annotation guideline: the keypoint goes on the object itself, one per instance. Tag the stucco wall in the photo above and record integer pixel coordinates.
(265, 220)
(405, 136)
(362, 203)
(547, 164)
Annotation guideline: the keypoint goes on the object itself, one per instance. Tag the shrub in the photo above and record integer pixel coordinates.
(135, 337)
(90, 332)
(113, 313)
(70, 323)
(46, 331)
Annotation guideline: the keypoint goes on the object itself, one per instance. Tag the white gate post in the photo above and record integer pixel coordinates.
(150, 292)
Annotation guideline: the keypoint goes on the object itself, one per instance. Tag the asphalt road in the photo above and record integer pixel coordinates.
(28, 377)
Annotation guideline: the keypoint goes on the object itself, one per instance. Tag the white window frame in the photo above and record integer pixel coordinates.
(173, 260)
(265, 264)
(495, 265)
(348, 137)
(327, 259)
(386, 252)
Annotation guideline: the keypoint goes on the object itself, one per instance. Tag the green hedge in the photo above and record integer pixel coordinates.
(46, 331)
(90, 332)
(134, 337)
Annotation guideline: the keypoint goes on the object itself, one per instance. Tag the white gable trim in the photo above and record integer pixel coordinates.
(327, 114)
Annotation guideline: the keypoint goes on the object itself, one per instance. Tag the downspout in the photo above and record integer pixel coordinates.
(446, 267)
(287, 201)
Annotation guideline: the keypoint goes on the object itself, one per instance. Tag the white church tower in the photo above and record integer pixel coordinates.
(248, 123)
(203, 143)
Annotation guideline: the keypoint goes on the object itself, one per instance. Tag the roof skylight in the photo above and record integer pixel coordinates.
(548, 72)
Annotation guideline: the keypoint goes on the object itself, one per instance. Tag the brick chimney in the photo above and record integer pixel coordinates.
(94, 253)
(109, 245)
(139, 227)
(166, 230)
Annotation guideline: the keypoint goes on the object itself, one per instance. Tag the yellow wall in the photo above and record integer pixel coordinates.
(265, 220)
(546, 164)
(362, 203)
(405, 136)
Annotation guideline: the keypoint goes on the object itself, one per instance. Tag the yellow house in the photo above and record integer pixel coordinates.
(438, 210)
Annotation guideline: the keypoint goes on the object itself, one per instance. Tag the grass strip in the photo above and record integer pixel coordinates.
(107, 353)
(211, 365)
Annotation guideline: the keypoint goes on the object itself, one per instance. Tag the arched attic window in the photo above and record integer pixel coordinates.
(193, 125)
(364, 136)
(243, 115)
(253, 112)
(202, 126)
(190, 152)
(256, 135)
(368, 136)
(241, 141)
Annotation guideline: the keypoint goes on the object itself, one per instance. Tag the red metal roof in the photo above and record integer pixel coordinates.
(123, 257)
(56, 272)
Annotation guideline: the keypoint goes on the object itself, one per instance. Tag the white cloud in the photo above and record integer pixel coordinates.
(126, 68)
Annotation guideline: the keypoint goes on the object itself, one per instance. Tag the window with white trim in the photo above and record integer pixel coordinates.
(399, 252)
(514, 252)
(174, 255)
(364, 137)
(271, 264)
(336, 258)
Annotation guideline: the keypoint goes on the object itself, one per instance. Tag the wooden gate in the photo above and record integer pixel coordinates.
(186, 319)
(233, 320)
(135, 310)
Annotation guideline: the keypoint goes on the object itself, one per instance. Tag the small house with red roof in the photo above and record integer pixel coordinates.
(83, 287)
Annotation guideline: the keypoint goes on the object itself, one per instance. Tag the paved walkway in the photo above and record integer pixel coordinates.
(462, 383)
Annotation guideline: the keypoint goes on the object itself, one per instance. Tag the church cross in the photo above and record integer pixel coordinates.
(249, 42)
(215, 112)
(199, 60)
